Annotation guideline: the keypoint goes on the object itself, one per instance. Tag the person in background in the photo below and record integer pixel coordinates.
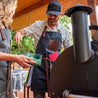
(7, 10)
(49, 37)
(94, 42)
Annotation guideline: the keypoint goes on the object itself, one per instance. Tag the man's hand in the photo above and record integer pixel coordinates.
(18, 36)
(23, 61)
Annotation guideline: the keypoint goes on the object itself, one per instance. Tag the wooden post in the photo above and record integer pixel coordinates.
(93, 19)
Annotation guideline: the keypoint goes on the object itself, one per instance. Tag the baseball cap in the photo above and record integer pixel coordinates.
(54, 8)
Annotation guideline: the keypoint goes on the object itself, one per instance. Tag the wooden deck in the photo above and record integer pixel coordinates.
(21, 94)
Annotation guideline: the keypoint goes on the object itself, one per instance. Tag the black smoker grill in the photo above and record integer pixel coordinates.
(76, 69)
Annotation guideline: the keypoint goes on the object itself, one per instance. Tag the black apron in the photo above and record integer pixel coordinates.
(49, 43)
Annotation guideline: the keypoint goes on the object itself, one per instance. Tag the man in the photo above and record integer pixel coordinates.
(49, 37)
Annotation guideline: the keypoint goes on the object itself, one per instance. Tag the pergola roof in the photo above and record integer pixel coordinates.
(28, 11)
(25, 6)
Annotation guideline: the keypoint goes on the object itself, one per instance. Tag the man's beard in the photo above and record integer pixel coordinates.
(52, 21)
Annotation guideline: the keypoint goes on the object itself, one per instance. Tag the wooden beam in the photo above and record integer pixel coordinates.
(96, 2)
(32, 7)
(93, 18)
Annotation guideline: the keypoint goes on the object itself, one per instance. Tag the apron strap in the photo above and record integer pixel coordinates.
(47, 77)
(9, 79)
(9, 76)
(44, 32)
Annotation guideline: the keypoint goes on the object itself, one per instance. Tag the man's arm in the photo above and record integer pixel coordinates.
(19, 35)
(22, 60)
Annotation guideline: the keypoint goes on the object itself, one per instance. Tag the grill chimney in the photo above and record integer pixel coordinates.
(81, 40)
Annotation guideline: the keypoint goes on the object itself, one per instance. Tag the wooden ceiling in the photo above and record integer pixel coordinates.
(28, 11)
(25, 6)
(22, 4)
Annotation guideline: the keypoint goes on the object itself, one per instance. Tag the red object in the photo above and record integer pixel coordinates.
(53, 56)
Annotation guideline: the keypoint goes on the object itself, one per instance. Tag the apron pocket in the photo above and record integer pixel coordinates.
(53, 45)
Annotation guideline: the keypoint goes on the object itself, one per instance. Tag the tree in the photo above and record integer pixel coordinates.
(66, 21)
(28, 43)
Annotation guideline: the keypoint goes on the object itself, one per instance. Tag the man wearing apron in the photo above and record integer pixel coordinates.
(49, 37)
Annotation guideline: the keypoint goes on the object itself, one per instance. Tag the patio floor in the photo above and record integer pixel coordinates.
(21, 94)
